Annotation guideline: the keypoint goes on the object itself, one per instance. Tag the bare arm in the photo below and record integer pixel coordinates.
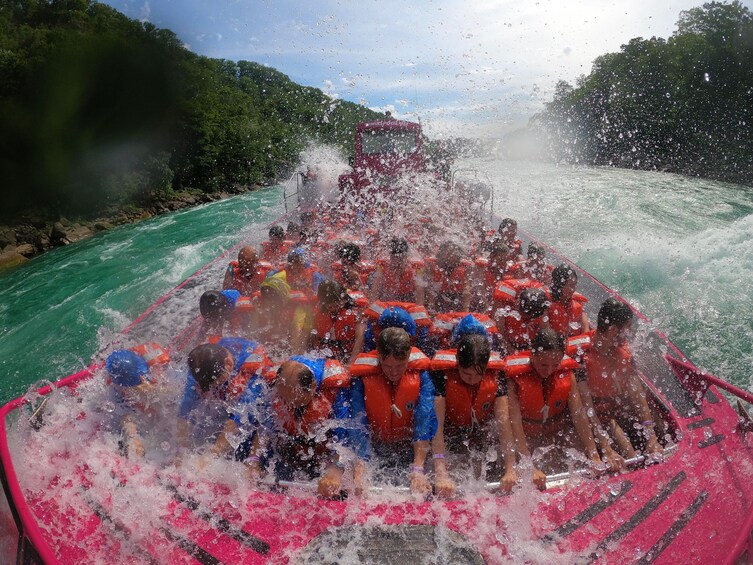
(519, 437)
(581, 422)
(506, 440)
(636, 392)
(358, 343)
(222, 446)
(597, 428)
(584, 324)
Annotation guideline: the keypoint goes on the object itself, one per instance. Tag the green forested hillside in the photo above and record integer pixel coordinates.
(98, 111)
(683, 104)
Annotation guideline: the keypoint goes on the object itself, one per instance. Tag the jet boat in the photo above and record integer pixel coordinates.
(69, 497)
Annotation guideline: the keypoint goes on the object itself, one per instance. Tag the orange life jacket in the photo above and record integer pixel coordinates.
(276, 254)
(320, 408)
(419, 313)
(153, 354)
(606, 374)
(535, 409)
(246, 285)
(338, 332)
(467, 405)
(508, 290)
(519, 332)
(565, 319)
(390, 408)
(399, 285)
(255, 363)
(363, 270)
(452, 283)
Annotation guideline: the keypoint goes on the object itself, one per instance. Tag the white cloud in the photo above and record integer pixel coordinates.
(146, 12)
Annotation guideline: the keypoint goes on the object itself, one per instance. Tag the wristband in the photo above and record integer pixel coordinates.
(439, 456)
(647, 423)
(251, 459)
(417, 469)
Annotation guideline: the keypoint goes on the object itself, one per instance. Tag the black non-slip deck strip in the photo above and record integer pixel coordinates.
(252, 542)
(588, 514)
(191, 548)
(711, 397)
(701, 423)
(117, 525)
(640, 515)
(679, 525)
(710, 441)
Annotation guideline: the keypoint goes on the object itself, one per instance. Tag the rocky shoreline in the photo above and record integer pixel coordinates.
(34, 235)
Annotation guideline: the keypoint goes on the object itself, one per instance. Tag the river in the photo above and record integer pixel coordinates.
(680, 249)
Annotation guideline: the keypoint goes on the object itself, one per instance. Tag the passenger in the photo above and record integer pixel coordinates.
(499, 266)
(276, 248)
(413, 319)
(216, 309)
(445, 327)
(392, 396)
(300, 274)
(272, 315)
(309, 229)
(349, 270)
(517, 327)
(541, 391)
(310, 400)
(247, 273)
(508, 231)
(613, 390)
(338, 324)
(466, 394)
(221, 396)
(398, 278)
(293, 232)
(450, 280)
(566, 315)
(133, 380)
(535, 266)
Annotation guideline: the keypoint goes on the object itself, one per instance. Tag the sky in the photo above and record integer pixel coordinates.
(476, 68)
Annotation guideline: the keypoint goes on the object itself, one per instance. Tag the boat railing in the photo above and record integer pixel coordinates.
(552, 481)
(292, 188)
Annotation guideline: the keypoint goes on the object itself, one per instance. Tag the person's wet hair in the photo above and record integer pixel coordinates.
(535, 251)
(393, 342)
(214, 306)
(613, 312)
(276, 232)
(206, 363)
(499, 247)
(350, 253)
(561, 274)
(294, 229)
(398, 246)
(473, 351)
(547, 340)
(533, 302)
(330, 291)
(506, 224)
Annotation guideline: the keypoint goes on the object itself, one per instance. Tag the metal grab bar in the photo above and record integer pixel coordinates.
(551, 480)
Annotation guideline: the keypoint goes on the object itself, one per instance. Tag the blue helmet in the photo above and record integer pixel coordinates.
(395, 317)
(467, 326)
(126, 367)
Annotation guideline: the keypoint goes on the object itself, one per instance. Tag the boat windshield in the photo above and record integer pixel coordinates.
(381, 141)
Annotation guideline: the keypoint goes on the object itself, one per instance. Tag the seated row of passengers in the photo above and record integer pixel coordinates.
(413, 360)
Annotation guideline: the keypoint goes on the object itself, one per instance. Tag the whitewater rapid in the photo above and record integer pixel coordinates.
(679, 249)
